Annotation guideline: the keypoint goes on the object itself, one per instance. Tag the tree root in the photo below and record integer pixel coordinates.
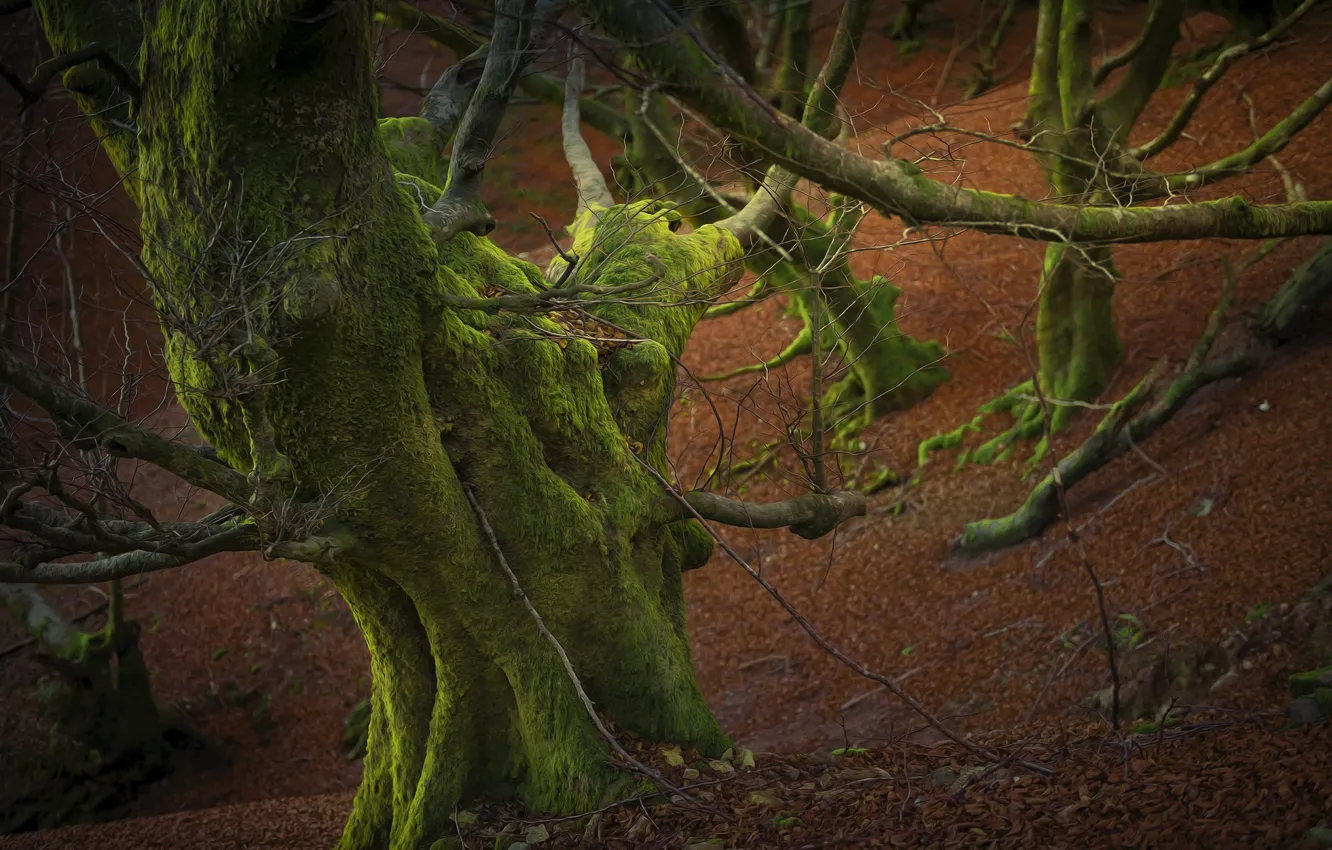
(1117, 434)
(1028, 424)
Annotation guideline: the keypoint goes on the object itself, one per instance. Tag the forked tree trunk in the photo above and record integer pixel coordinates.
(317, 337)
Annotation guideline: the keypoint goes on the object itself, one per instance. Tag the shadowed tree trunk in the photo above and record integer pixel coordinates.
(335, 326)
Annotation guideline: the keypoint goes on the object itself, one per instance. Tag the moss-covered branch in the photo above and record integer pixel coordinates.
(1227, 58)
(1123, 427)
(1129, 53)
(898, 188)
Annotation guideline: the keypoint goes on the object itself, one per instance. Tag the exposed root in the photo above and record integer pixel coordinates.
(1117, 434)
(1027, 425)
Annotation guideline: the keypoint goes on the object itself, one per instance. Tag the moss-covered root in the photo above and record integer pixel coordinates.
(1042, 505)
(1076, 344)
(1308, 286)
(1028, 422)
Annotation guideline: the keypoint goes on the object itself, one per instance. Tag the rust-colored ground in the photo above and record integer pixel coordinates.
(263, 659)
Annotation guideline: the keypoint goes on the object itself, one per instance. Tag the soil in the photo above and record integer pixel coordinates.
(1220, 517)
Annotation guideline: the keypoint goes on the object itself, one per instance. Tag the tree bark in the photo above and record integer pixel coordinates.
(312, 337)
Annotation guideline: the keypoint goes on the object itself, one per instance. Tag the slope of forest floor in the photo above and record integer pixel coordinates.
(1209, 535)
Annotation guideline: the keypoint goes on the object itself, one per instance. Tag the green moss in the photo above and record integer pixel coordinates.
(300, 294)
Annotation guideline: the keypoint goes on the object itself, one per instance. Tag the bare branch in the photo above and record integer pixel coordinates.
(447, 101)
(462, 41)
(32, 90)
(460, 206)
(85, 422)
(592, 189)
(811, 515)
(751, 223)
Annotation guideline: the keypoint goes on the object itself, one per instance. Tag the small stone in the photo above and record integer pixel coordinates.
(764, 798)
(943, 777)
(690, 773)
(1323, 697)
(593, 827)
(641, 829)
(746, 758)
(537, 834)
(721, 766)
(1306, 710)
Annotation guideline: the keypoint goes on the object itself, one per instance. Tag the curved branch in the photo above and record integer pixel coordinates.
(85, 422)
(821, 106)
(1120, 109)
(32, 90)
(446, 103)
(810, 516)
(1117, 434)
(1228, 57)
(315, 550)
(460, 206)
(750, 225)
(462, 41)
(592, 189)
(899, 188)
(1114, 63)
(1272, 142)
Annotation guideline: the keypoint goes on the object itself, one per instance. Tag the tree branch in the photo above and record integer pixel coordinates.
(1120, 109)
(33, 89)
(1114, 63)
(592, 189)
(898, 188)
(1118, 435)
(446, 103)
(1228, 57)
(85, 422)
(811, 515)
(460, 206)
(462, 41)
(821, 107)
(1272, 142)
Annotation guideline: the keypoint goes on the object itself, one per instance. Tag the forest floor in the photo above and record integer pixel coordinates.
(1207, 539)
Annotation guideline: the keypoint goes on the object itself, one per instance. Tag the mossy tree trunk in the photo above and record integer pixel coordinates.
(1083, 153)
(315, 339)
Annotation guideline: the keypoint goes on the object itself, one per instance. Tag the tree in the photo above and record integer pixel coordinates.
(472, 450)
(1079, 128)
